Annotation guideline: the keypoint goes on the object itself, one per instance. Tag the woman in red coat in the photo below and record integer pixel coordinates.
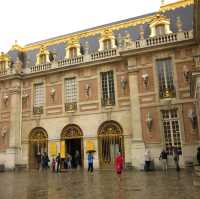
(119, 161)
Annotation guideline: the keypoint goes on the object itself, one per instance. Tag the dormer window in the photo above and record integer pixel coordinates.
(73, 48)
(43, 56)
(2, 65)
(4, 62)
(107, 40)
(72, 52)
(107, 44)
(160, 25)
(160, 29)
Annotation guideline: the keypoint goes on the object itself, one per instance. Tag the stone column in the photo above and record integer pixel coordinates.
(138, 147)
(14, 150)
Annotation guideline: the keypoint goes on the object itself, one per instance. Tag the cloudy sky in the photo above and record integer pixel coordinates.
(29, 21)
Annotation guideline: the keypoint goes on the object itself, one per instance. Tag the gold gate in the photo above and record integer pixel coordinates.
(38, 143)
(110, 141)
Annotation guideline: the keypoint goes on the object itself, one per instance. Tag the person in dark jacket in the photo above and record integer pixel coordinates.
(198, 155)
(163, 158)
(58, 161)
(176, 158)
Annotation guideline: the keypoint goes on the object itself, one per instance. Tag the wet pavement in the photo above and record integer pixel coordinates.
(103, 184)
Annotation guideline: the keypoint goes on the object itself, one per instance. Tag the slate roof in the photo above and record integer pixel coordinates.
(185, 14)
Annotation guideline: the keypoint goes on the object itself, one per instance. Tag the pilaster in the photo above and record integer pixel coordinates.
(138, 147)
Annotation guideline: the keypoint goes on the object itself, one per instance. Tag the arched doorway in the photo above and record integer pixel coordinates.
(38, 143)
(110, 142)
(73, 137)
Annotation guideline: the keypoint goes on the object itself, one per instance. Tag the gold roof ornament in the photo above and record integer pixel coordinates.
(16, 46)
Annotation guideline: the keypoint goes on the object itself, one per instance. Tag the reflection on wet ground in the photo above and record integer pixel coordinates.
(100, 185)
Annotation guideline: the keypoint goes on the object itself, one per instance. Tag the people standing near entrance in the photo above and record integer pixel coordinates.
(58, 162)
(198, 155)
(163, 158)
(77, 159)
(176, 158)
(119, 161)
(147, 157)
(69, 161)
(90, 162)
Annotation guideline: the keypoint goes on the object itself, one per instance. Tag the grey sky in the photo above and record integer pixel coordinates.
(33, 20)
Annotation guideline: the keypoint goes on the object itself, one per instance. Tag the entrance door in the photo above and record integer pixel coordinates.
(110, 141)
(73, 136)
(38, 144)
(72, 146)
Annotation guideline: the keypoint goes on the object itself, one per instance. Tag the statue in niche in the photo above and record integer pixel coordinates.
(4, 131)
(141, 32)
(18, 66)
(127, 40)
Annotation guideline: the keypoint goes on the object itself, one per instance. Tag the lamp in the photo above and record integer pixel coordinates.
(186, 73)
(193, 118)
(53, 92)
(145, 79)
(123, 83)
(149, 121)
(5, 99)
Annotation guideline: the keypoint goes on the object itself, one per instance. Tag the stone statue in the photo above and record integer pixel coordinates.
(127, 40)
(18, 66)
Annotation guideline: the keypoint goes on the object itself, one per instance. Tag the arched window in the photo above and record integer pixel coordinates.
(42, 59)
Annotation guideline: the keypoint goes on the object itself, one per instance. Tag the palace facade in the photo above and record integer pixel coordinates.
(124, 86)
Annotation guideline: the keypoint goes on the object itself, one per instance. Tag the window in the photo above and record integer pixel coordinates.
(2, 65)
(70, 90)
(171, 127)
(160, 29)
(42, 59)
(72, 52)
(107, 44)
(165, 78)
(39, 95)
(108, 90)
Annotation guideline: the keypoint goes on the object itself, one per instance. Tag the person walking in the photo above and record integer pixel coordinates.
(58, 162)
(147, 157)
(176, 158)
(69, 161)
(119, 161)
(90, 162)
(53, 165)
(163, 158)
(198, 155)
(76, 159)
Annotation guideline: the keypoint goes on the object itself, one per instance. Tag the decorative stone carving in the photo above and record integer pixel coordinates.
(87, 90)
(120, 41)
(141, 31)
(18, 66)
(186, 73)
(123, 83)
(5, 99)
(4, 131)
(127, 40)
(179, 24)
(193, 118)
(145, 78)
(52, 93)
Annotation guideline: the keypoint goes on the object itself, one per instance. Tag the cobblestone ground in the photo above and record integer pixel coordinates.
(78, 184)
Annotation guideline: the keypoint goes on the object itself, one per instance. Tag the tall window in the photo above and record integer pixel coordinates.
(160, 29)
(108, 90)
(70, 90)
(72, 52)
(39, 95)
(42, 59)
(2, 65)
(165, 77)
(171, 130)
(107, 44)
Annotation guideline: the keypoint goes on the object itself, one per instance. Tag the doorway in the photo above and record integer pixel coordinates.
(38, 144)
(73, 136)
(71, 147)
